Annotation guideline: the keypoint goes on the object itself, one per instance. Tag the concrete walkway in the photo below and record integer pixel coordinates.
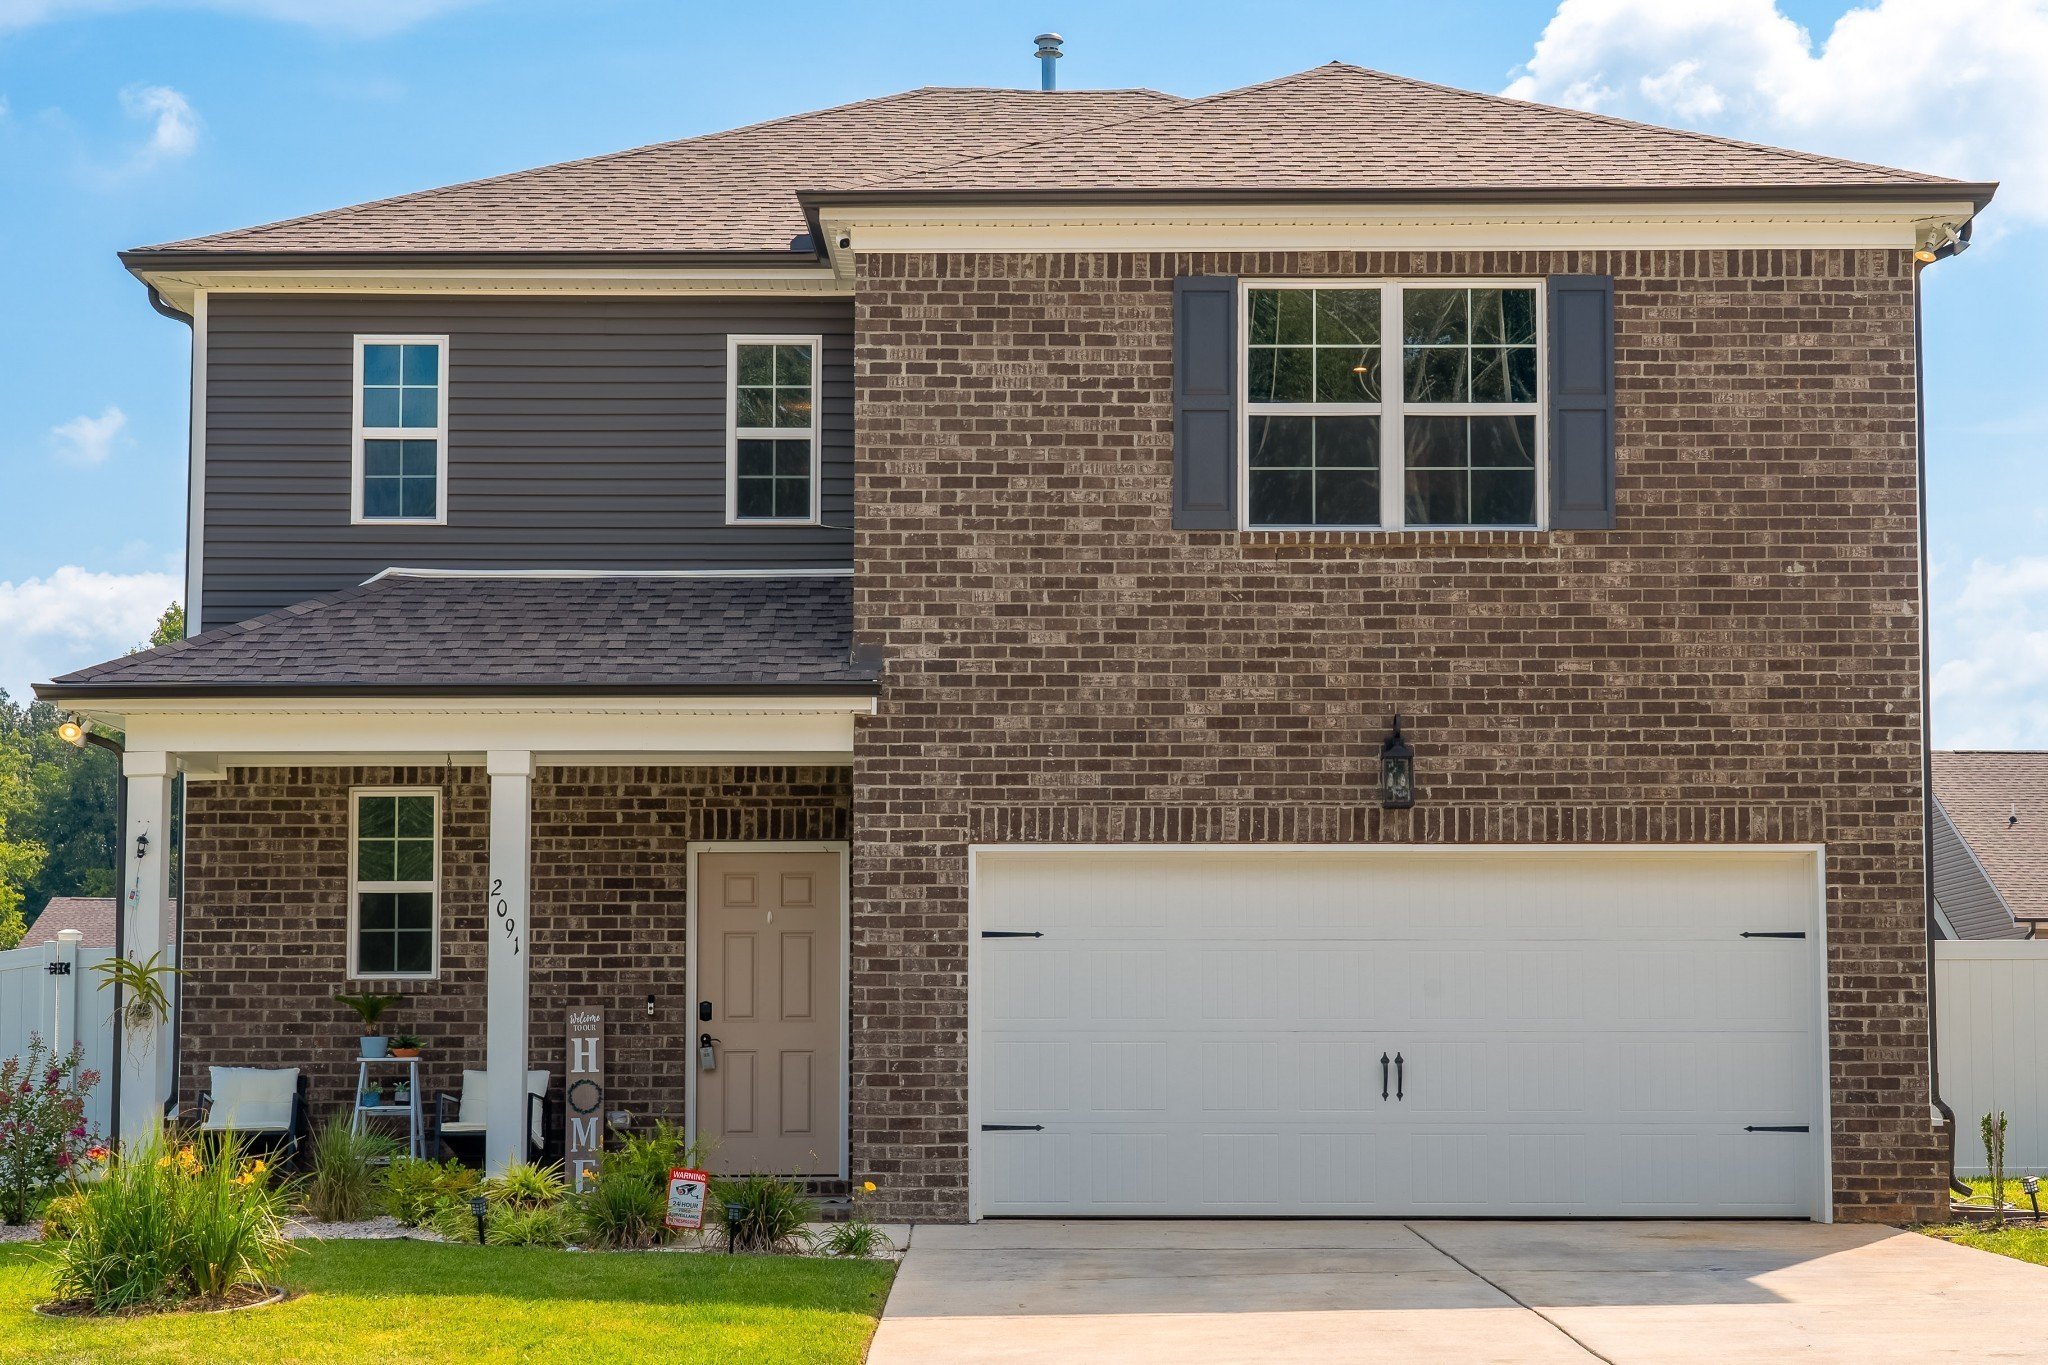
(1187, 1293)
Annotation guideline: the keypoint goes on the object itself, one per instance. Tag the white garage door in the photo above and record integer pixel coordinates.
(1417, 1032)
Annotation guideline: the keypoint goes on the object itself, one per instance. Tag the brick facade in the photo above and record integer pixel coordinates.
(266, 879)
(1737, 661)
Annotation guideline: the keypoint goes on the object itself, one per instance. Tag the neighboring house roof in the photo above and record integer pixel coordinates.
(411, 632)
(92, 916)
(1970, 905)
(727, 192)
(1335, 131)
(1981, 790)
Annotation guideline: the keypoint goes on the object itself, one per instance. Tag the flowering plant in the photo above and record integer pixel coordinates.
(43, 1132)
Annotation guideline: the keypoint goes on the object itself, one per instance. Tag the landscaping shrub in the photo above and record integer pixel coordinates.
(858, 1237)
(345, 1181)
(43, 1133)
(413, 1188)
(624, 1206)
(60, 1216)
(523, 1207)
(172, 1221)
(772, 1212)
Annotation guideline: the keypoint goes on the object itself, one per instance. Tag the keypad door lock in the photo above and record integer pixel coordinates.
(704, 1011)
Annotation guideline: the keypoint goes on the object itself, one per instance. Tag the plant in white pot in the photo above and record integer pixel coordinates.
(371, 1008)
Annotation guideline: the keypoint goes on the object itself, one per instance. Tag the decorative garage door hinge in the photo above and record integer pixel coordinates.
(1012, 1127)
(1774, 933)
(58, 969)
(1011, 933)
(1777, 1128)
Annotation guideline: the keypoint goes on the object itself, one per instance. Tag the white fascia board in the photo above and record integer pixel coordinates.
(230, 730)
(1417, 227)
(177, 287)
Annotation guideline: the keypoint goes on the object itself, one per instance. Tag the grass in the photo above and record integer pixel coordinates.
(2021, 1242)
(421, 1301)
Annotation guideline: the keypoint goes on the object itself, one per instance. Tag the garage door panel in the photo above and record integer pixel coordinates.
(1201, 1033)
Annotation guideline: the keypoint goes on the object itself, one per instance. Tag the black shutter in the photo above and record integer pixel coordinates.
(1582, 402)
(1205, 402)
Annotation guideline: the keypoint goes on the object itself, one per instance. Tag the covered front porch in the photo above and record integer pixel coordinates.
(499, 857)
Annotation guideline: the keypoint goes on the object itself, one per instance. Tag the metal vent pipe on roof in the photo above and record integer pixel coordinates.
(1048, 53)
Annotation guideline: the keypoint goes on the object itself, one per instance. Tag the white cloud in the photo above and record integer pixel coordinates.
(89, 440)
(364, 18)
(73, 618)
(1991, 657)
(177, 128)
(1955, 87)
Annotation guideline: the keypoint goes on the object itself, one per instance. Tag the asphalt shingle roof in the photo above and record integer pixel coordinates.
(406, 633)
(1982, 790)
(729, 191)
(1332, 130)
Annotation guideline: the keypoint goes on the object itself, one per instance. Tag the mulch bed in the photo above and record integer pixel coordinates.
(236, 1299)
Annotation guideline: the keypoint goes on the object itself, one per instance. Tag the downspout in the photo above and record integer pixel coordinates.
(114, 747)
(1948, 1115)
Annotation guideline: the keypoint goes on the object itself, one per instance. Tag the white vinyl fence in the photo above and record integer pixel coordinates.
(1991, 1008)
(64, 1007)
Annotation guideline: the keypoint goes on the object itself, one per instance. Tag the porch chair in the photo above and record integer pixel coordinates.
(264, 1106)
(467, 1121)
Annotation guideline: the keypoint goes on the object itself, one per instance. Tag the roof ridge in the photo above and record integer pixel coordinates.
(413, 196)
(1594, 116)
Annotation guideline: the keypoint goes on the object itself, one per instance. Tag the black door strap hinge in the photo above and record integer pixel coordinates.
(1011, 933)
(1777, 1128)
(58, 969)
(1774, 933)
(1012, 1127)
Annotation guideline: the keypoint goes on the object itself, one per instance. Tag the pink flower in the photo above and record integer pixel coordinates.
(63, 1160)
(79, 1131)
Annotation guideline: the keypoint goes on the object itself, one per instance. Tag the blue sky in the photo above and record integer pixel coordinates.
(133, 121)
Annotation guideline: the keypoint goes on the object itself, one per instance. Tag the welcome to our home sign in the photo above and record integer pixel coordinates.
(585, 1093)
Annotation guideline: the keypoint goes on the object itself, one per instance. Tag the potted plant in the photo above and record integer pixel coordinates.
(371, 1008)
(371, 1096)
(405, 1045)
(401, 1093)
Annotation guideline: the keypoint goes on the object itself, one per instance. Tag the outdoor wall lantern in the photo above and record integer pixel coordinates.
(1397, 771)
(141, 847)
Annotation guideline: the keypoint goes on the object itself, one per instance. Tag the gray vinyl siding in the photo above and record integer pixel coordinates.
(582, 434)
(1961, 889)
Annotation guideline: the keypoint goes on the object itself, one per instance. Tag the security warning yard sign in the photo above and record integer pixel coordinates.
(686, 1191)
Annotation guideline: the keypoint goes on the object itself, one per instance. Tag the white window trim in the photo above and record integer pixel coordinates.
(735, 433)
(355, 973)
(1390, 409)
(359, 434)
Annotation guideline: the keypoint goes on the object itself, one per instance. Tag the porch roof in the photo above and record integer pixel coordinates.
(415, 632)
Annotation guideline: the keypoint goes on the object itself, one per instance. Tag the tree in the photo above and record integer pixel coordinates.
(21, 858)
(169, 627)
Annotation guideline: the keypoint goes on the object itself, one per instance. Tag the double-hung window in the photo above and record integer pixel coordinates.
(1393, 405)
(401, 429)
(772, 430)
(394, 882)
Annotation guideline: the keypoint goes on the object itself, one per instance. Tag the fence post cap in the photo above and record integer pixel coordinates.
(71, 936)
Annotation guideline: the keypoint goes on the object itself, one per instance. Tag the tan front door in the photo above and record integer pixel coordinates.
(768, 965)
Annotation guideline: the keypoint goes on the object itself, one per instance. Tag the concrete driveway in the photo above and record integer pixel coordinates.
(1190, 1293)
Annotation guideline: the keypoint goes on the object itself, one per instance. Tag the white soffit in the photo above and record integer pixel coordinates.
(239, 731)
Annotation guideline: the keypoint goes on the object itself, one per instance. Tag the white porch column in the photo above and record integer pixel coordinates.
(505, 1116)
(145, 910)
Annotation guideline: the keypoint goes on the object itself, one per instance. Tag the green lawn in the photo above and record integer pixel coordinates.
(407, 1301)
(2028, 1243)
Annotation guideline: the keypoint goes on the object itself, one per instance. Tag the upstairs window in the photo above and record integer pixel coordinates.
(772, 431)
(394, 882)
(401, 429)
(1392, 405)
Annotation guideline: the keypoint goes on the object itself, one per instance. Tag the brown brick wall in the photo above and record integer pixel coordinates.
(266, 880)
(1737, 660)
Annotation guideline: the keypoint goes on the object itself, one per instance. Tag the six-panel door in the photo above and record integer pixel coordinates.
(769, 964)
(1398, 1032)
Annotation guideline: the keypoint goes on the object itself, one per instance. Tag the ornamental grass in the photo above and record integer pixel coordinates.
(172, 1222)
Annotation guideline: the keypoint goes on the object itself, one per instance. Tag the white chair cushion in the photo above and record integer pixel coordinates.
(469, 1113)
(251, 1099)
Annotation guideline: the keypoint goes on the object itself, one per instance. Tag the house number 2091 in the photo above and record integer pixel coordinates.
(503, 909)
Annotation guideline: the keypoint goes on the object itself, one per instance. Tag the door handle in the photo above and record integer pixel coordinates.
(707, 1053)
(1400, 1081)
(1383, 1075)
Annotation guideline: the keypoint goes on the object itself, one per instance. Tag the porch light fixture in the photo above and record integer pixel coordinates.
(71, 732)
(1397, 771)
(141, 847)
